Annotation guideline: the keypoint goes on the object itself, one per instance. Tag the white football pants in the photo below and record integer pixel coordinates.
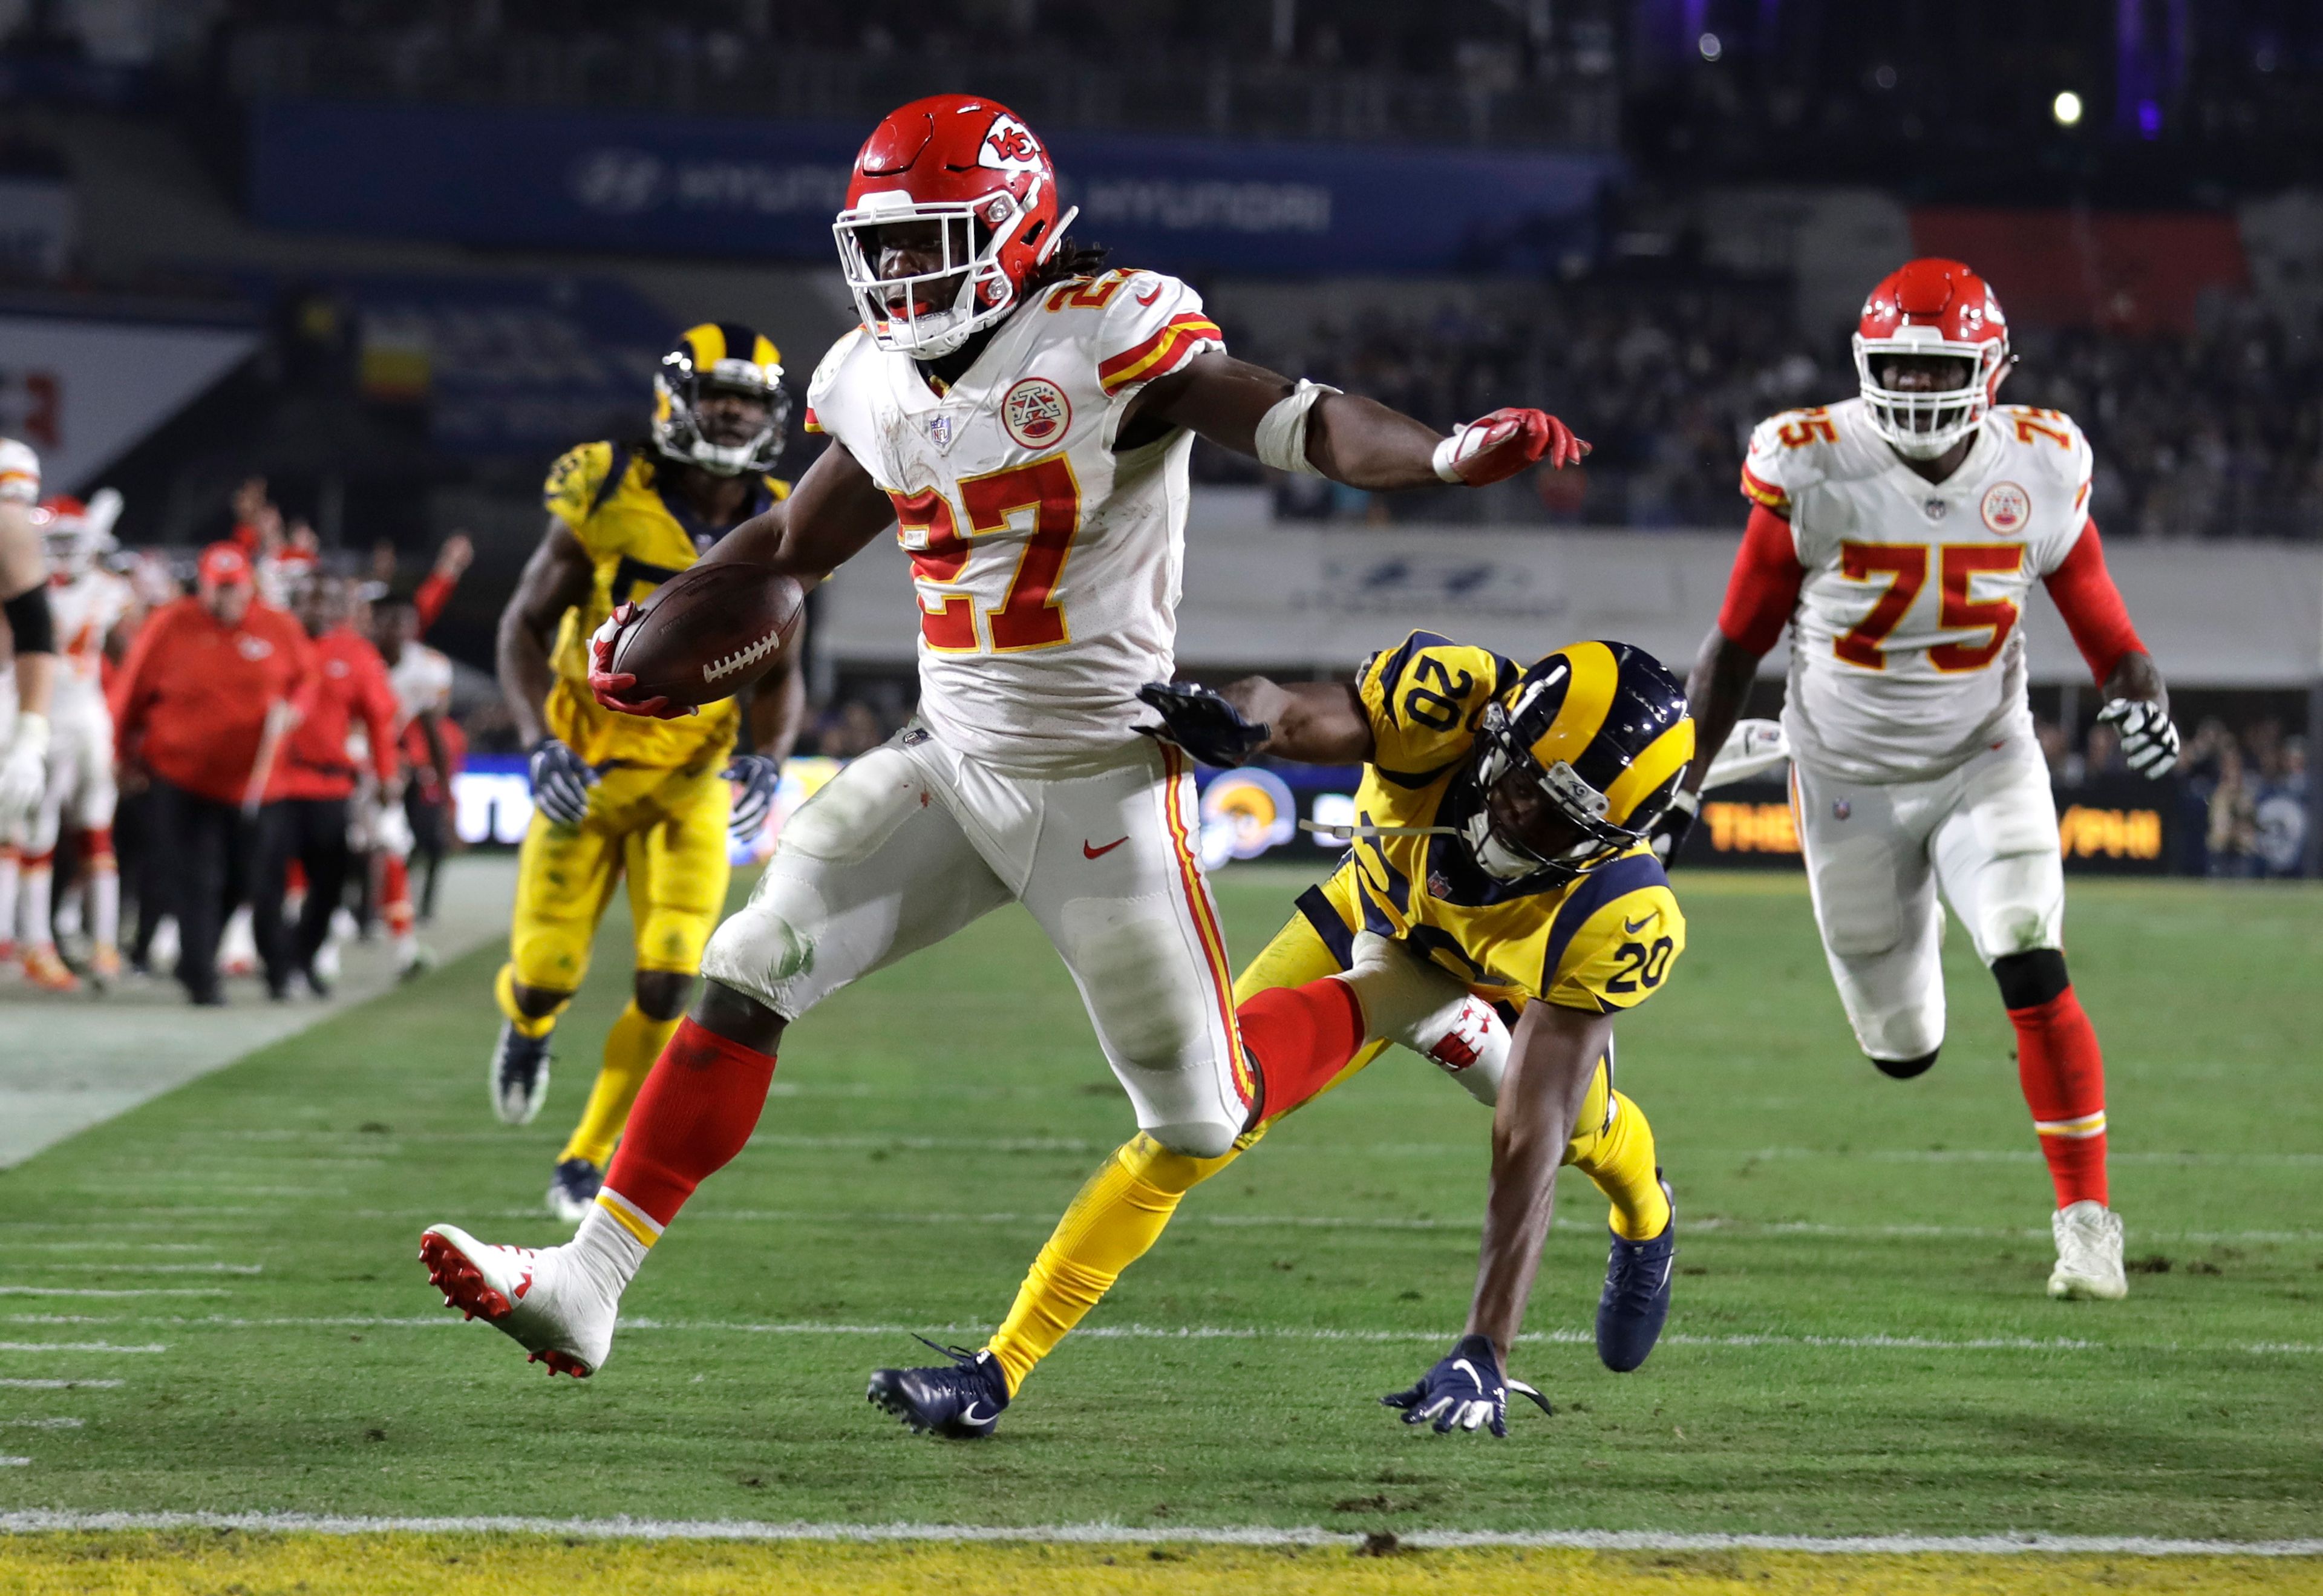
(914, 840)
(1985, 834)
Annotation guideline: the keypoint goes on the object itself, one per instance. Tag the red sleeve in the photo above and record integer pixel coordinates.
(2092, 607)
(379, 713)
(131, 690)
(1764, 588)
(431, 596)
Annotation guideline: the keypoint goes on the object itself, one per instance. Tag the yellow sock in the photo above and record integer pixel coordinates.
(1620, 1160)
(631, 1046)
(504, 990)
(1118, 1215)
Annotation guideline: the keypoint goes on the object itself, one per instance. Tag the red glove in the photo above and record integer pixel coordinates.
(1502, 444)
(608, 684)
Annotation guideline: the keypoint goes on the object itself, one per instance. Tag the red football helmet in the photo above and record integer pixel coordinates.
(1932, 306)
(972, 167)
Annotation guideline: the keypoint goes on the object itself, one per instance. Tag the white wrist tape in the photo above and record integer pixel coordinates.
(1446, 451)
(1282, 430)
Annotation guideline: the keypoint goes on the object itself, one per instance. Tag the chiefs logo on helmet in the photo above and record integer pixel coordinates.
(951, 209)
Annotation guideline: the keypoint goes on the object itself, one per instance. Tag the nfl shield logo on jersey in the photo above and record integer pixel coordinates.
(940, 431)
(1840, 809)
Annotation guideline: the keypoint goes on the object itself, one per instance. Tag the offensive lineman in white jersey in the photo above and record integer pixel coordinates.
(1023, 419)
(1899, 534)
(90, 606)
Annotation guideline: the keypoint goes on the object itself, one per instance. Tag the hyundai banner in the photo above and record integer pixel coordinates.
(636, 181)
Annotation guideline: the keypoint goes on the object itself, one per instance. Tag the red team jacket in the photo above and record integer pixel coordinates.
(352, 686)
(190, 701)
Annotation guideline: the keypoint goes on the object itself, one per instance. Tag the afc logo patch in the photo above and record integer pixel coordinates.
(1036, 413)
(2006, 507)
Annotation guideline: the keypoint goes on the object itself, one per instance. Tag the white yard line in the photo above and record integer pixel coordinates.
(80, 1346)
(59, 1385)
(1874, 1342)
(114, 1291)
(42, 1424)
(1594, 1540)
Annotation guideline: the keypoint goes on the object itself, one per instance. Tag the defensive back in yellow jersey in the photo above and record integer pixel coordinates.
(638, 537)
(1604, 941)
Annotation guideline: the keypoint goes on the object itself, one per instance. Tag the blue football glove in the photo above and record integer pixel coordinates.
(759, 776)
(1463, 1390)
(561, 780)
(1201, 722)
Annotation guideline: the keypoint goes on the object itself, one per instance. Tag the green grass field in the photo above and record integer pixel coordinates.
(1861, 1344)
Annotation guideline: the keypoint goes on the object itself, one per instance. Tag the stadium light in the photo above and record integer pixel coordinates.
(2066, 108)
(1710, 47)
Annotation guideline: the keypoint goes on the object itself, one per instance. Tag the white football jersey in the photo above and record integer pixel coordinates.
(422, 679)
(20, 472)
(1908, 650)
(1048, 567)
(84, 611)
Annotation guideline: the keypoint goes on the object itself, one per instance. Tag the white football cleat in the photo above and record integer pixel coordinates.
(545, 1299)
(2089, 1253)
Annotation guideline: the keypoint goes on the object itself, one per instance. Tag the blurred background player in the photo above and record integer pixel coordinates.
(31, 636)
(1899, 534)
(212, 686)
(1497, 871)
(352, 718)
(421, 677)
(617, 796)
(92, 610)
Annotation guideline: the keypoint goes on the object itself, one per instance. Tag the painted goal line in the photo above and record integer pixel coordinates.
(1587, 1540)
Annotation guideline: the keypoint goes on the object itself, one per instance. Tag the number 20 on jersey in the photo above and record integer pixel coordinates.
(942, 541)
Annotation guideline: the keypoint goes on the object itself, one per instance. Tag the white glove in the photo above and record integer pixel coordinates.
(390, 828)
(2149, 742)
(24, 772)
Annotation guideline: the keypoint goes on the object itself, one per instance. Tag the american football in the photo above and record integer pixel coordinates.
(1369, 560)
(708, 632)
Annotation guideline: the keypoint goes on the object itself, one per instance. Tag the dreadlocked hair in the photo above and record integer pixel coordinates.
(1071, 260)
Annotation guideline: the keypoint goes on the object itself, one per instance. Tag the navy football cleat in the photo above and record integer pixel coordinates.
(572, 1190)
(520, 1076)
(1637, 1295)
(961, 1401)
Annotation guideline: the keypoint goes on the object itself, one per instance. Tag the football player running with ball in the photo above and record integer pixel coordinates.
(1898, 535)
(617, 796)
(1023, 418)
(1499, 871)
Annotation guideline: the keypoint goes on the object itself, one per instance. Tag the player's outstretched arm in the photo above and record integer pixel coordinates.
(2137, 700)
(834, 512)
(1552, 1055)
(1305, 428)
(1312, 722)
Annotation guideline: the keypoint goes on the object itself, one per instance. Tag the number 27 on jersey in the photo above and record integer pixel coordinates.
(942, 541)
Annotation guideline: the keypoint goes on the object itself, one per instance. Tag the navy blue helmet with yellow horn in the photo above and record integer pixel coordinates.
(1575, 762)
(721, 357)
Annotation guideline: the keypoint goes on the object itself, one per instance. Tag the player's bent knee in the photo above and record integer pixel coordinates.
(2031, 978)
(661, 993)
(737, 1016)
(1904, 1069)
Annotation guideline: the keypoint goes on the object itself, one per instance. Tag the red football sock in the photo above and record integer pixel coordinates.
(2063, 1076)
(1301, 1038)
(395, 895)
(697, 1108)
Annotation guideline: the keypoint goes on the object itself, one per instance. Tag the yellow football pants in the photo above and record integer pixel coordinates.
(1124, 1207)
(663, 829)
